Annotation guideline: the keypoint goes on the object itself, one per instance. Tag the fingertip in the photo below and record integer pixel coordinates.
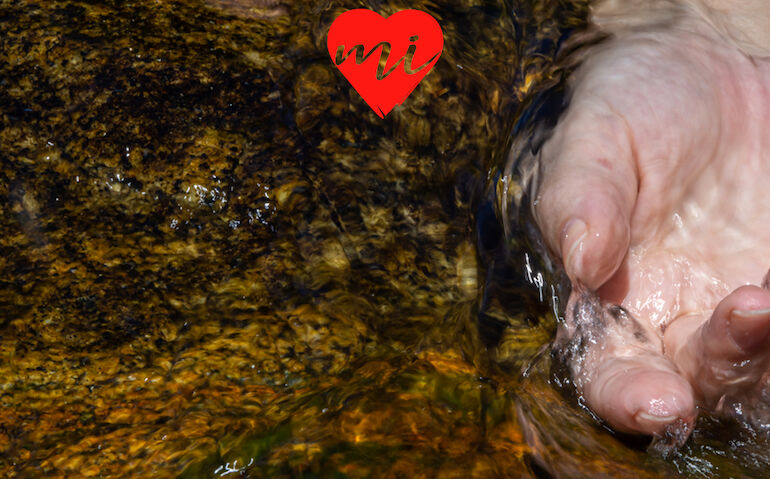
(750, 329)
(645, 398)
(572, 246)
(728, 353)
(594, 243)
(743, 316)
(674, 403)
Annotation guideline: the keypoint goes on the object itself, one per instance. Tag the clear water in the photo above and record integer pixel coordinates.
(217, 261)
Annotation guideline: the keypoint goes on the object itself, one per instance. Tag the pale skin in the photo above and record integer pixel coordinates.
(655, 193)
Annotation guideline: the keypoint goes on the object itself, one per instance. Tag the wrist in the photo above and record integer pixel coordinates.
(743, 23)
(746, 23)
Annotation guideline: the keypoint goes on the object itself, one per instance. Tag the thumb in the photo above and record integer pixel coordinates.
(586, 195)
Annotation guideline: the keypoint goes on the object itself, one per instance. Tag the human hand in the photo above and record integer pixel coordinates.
(653, 191)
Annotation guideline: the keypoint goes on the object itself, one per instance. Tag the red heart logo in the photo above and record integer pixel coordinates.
(408, 42)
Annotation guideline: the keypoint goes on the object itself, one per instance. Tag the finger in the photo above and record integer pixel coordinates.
(728, 353)
(620, 368)
(587, 193)
(640, 394)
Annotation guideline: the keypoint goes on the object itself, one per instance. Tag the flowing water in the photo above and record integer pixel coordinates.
(217, 261)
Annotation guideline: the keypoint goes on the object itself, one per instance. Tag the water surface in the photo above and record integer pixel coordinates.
(217, 261)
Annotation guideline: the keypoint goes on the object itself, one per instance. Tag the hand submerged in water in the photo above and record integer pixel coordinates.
(654, 192)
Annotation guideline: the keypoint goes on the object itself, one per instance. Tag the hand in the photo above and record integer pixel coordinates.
(655, 192)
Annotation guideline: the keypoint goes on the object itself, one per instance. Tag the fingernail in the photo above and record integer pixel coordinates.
(572, 243)
(659, 419)
(658, 413)
(749, 328)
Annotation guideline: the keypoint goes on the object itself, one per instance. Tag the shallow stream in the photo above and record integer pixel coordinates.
(217, 261)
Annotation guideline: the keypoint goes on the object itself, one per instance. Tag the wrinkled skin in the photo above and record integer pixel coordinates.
(654, 192)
